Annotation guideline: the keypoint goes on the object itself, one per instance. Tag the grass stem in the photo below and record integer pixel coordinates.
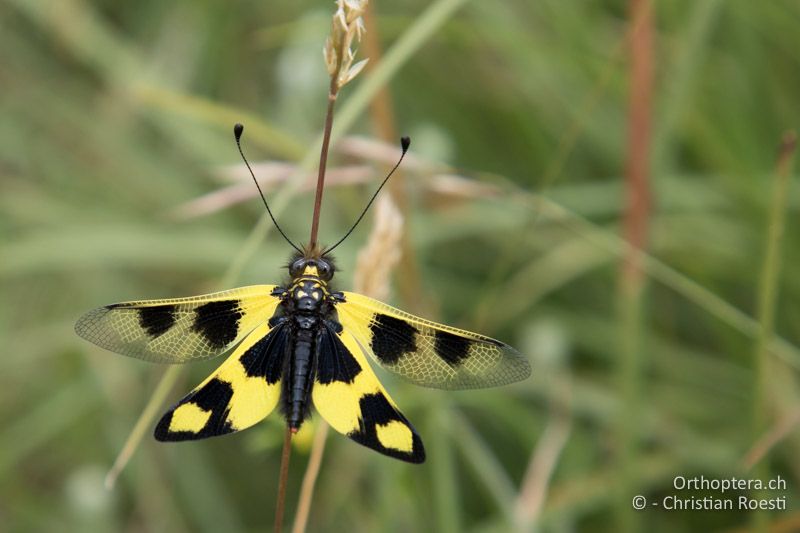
(767, 297)
(632, 276)
(323, 162)
(310, 478)
(142, 424)
(280, 504)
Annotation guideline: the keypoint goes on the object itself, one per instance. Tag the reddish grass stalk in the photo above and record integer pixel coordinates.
(280, 504)
(637, 168)
(631, 281)
(323, 162)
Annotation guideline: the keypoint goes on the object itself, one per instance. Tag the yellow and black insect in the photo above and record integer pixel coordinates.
(299, 343)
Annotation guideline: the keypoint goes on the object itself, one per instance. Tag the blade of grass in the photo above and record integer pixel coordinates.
(445, 491)
(681, 79)
(544, 459)
(196, 107)
(565, 262)
(38, 425)
(142, 425)
(83, 32)
(668, 276)
(199, 478)
(486, 465)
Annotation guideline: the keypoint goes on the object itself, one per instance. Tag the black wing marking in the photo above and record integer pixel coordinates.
(348, 395)
(240, 393)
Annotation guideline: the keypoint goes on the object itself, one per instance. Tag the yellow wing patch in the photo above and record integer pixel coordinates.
(428, 353)
(180, 329)
(348, 395)
(395, 435)
(243, 390)
(189, 417)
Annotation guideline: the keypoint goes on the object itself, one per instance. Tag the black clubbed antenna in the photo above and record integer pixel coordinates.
(238, 129)
(405, 142)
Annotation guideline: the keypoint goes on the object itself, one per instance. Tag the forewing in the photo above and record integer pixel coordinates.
(181, 329)
(427, 353)
(348, 395)
(240, 393)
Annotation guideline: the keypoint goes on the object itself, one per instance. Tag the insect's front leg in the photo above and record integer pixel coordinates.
(337, 297)
(329, 311)
(279, 317)
(280, 292)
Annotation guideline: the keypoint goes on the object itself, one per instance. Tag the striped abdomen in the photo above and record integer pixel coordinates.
(299, 376)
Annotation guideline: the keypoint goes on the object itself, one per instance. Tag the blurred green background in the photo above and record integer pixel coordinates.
(114, 114)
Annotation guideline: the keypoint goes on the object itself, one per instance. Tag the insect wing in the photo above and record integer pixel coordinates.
(240, 393)
(181, 329)
(348, 395)
(427, 353)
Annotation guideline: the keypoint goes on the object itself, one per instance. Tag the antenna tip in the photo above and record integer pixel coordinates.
(405, 142)
(238, 129)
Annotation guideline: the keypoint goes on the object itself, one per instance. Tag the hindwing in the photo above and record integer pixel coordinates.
(240, 393)
(180, 329)
(427, 353)
(348, 395)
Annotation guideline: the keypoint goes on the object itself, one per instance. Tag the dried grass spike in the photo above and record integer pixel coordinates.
(382, 252)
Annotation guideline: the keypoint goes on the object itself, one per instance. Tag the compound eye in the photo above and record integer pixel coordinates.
(324, 270)
(296, 268)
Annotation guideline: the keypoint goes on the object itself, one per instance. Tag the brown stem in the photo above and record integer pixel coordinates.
(323, 161)
(631, 302)
(282, 481)
(639, 132)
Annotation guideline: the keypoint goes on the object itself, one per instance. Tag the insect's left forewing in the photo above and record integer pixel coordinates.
(240, 393)
(348, 395)
(179, 329)
(427, 353)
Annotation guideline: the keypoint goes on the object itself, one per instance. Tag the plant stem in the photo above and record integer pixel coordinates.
(323, 161)
(632, 278)
(282, 480)
(445, 495)
(767, 296)
(142, 424)
(310, 479)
